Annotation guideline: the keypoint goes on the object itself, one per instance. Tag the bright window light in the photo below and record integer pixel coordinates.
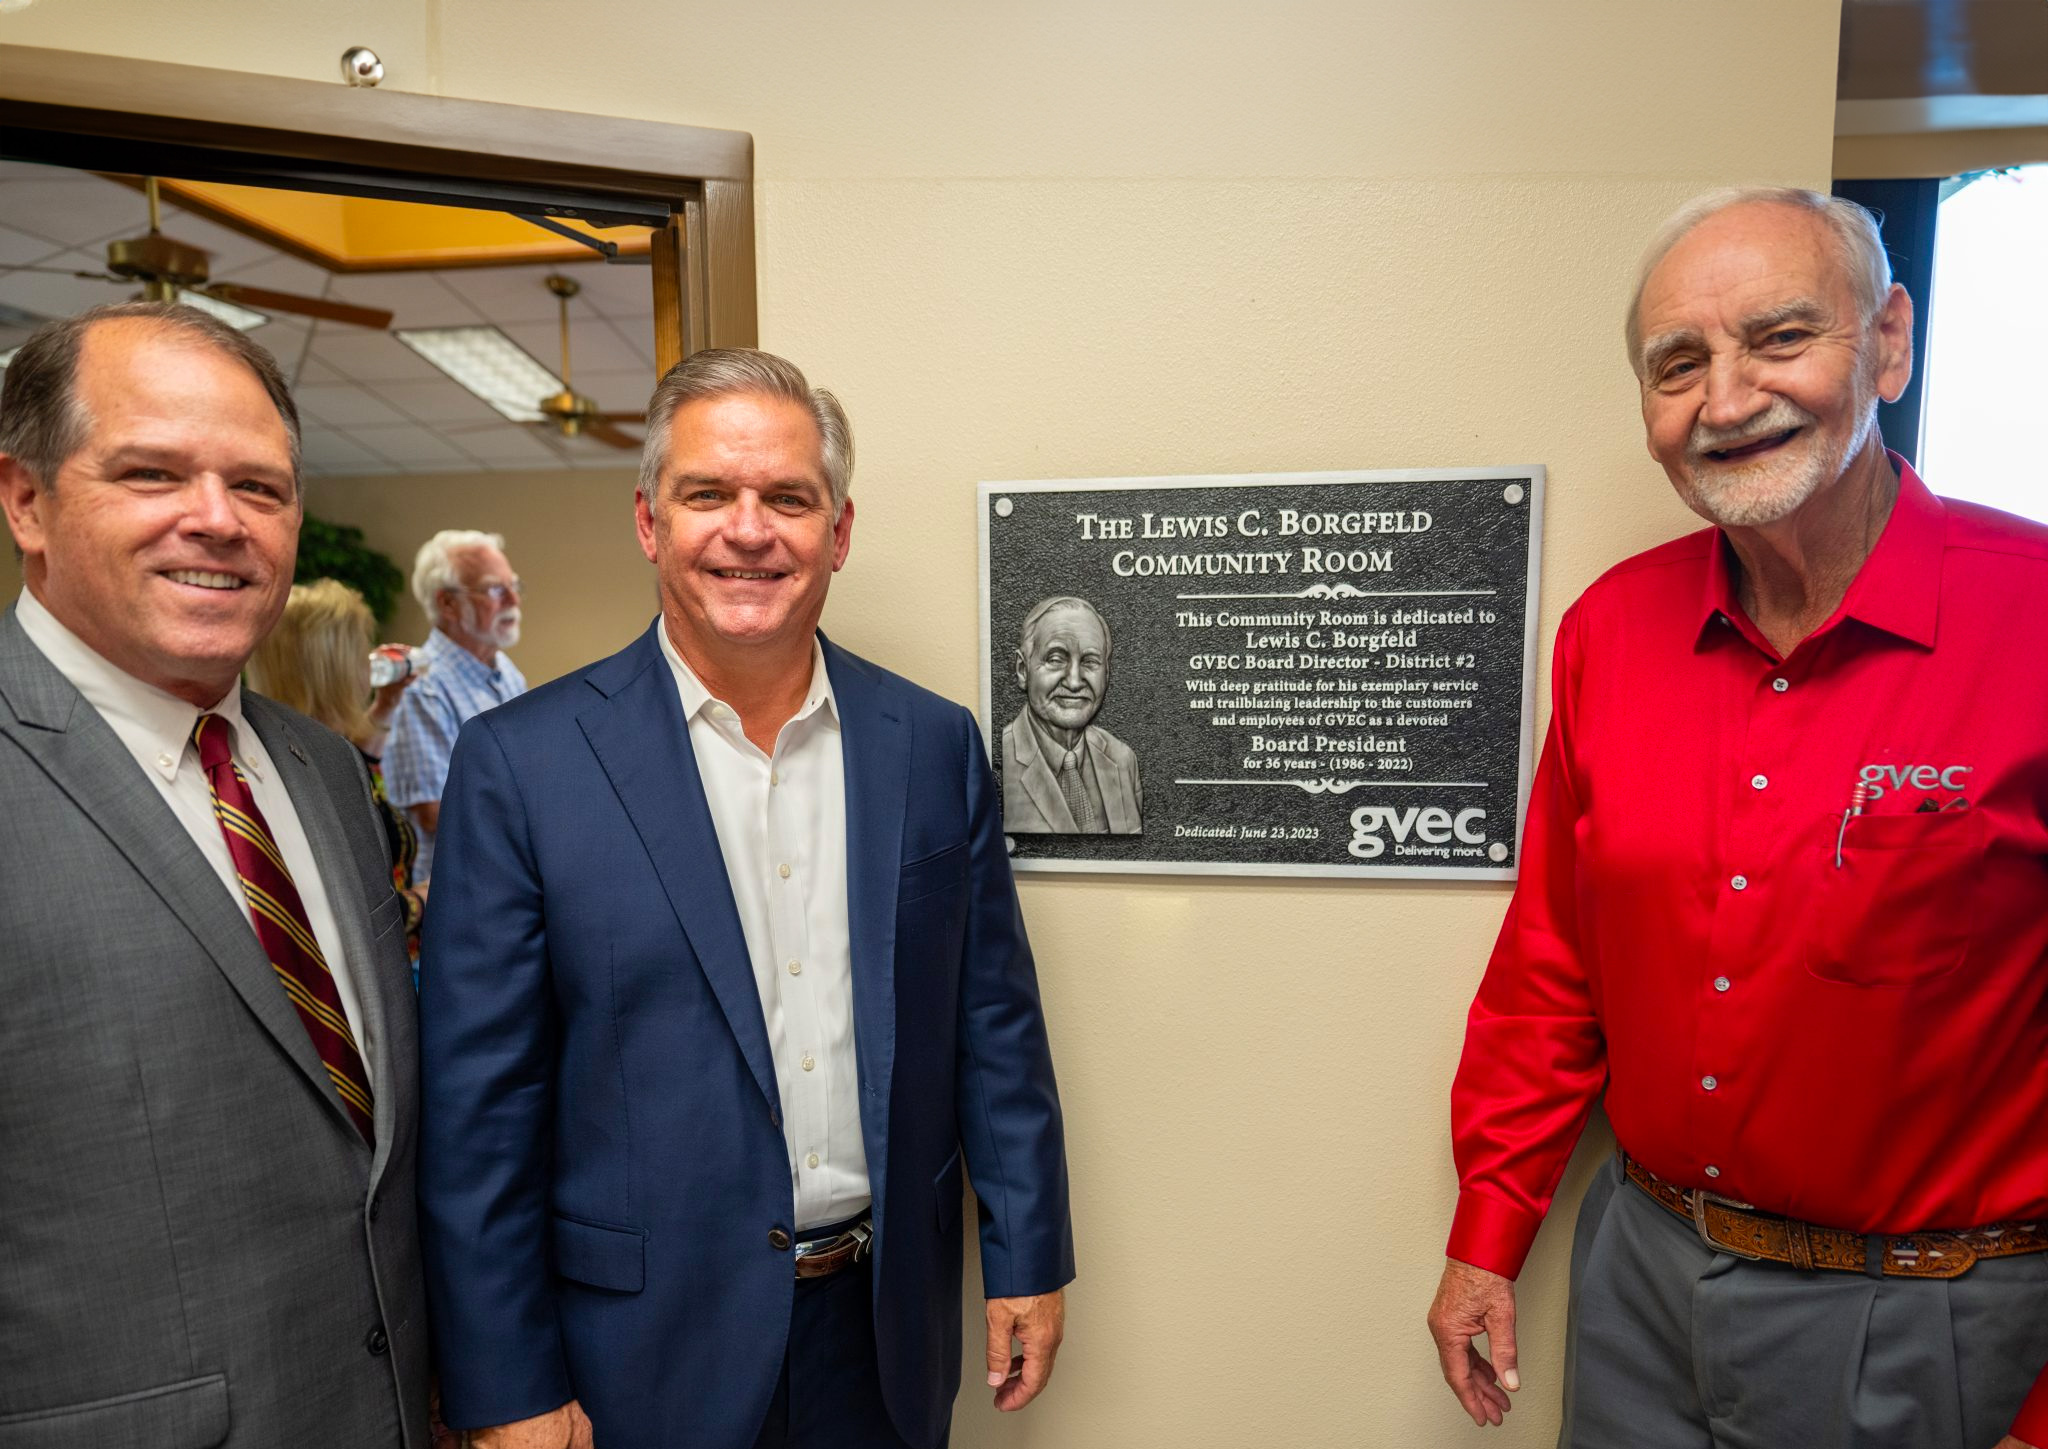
(489, 364)
(1987, 374)
(246, 318)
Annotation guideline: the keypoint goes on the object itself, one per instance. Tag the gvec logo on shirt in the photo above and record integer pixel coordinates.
(1430, 824)
(1879, 778)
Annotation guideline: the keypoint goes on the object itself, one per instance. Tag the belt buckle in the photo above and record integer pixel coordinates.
(1700, 1198)
(863, 1235)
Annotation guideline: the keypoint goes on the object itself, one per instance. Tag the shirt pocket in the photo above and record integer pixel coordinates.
(1901, 907)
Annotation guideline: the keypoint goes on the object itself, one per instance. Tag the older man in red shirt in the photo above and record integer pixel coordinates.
(1784, 897)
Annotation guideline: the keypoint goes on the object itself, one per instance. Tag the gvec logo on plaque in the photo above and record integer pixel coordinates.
(1270, 674)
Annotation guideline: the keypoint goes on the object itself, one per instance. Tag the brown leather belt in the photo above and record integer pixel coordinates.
(822, 1257)
(1736, 1227)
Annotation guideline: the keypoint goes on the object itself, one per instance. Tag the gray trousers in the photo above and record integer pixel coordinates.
(1672, 1345)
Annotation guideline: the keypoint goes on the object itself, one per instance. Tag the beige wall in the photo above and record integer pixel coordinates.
(1074, 238)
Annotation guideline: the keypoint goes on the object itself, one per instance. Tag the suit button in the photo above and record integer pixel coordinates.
(778, 1240)
(376, 1342)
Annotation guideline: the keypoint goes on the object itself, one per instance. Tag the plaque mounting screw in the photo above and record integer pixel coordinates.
(1513, 493)
(1496, 852)
(1004, 507)
(360, 66)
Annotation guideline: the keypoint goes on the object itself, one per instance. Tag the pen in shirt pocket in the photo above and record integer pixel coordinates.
(1858, 798)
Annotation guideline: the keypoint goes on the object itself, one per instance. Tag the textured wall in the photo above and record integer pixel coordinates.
(1083, 239)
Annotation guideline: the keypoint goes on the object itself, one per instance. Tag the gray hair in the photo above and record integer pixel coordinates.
(43, 421)
(1052, 605)
(727, 371)
(433, 568)
(1859, 246)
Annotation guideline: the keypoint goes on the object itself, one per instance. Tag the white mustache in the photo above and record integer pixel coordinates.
(1782, 416)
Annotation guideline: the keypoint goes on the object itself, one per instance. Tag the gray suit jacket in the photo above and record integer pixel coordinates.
(1032, 802)
(196, 1247)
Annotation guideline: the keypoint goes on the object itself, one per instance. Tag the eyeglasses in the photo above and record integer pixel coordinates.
(496, 593)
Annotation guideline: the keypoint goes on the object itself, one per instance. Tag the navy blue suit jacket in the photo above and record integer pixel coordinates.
(601, 1155)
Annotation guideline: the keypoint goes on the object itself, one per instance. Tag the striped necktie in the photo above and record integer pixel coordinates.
(280, 920)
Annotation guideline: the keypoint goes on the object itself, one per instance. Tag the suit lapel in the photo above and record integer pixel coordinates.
(642, 743)
(1044, 788)
(314, 805)
(875, 744)
(1117, 800)
(80, 752)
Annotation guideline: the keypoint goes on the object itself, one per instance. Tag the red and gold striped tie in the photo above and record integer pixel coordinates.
(280, 920)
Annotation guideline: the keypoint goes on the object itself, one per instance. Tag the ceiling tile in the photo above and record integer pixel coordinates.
(617, 392)
(348, 407)
(366, 356)
(510, 294)
(54, 296)
(436, 400)
(412, 447)
(594, 346)
(508, 446)
(639, 336)
(278, 272)
(414, 299)
(619, 290)
(327, 452)
(75, 208)
(18, 248)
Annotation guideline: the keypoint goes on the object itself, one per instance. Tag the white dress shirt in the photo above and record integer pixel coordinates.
(781, 823)
(156, 727)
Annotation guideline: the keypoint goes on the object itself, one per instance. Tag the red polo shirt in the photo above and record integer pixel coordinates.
(1861, 1043)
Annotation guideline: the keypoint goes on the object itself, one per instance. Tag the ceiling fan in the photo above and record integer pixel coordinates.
(167, 267)
(569, 412)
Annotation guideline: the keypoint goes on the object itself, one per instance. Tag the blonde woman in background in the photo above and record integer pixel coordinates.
(317, 660)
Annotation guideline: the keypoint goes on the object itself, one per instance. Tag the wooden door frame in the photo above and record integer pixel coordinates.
(695, 184)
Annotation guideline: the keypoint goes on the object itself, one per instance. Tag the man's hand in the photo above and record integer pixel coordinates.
(564, 1428)
(2008, 1442)
(1471, 1301)
(1037, 1324)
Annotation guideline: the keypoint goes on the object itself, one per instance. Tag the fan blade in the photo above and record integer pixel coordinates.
(632, 417)
(264, 300)
(611, 437)
(67, 272)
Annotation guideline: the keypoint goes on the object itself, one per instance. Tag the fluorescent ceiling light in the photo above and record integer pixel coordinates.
(246, 318)
(489, 364)
(7, 357)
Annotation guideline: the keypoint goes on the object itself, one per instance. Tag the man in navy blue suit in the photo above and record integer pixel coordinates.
(723, 985)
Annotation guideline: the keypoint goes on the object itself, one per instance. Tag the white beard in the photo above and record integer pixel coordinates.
(1753, 494)
(505, 629)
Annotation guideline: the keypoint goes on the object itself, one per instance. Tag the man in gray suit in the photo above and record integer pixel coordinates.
(1063, 774)
(207, 1052)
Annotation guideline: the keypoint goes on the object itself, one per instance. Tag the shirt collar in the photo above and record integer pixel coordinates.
(451, 658)
(818, 699)
(155, 725)
(1898, 589)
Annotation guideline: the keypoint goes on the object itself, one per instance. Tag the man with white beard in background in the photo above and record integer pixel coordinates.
(1784, 902)
(466, 586)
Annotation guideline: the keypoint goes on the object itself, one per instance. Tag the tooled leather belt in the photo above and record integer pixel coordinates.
(1736, 1227)
(822, 1257)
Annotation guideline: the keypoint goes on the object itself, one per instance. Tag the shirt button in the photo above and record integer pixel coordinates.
(783, 871)
(1741, 882)
(811, 1161)
(775, 777)
(796, 968)
(809, 1061)
(1722, 983)
(1781, 685)
(1713, 1171)
(1710, 1082)
(164, 762)
(1759, 781)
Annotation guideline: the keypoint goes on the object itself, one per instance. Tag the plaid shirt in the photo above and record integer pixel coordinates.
(430, 715)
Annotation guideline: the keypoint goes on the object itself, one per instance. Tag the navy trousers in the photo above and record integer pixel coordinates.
(830, 1392)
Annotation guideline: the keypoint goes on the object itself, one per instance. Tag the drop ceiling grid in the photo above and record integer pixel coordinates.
(53, 217)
